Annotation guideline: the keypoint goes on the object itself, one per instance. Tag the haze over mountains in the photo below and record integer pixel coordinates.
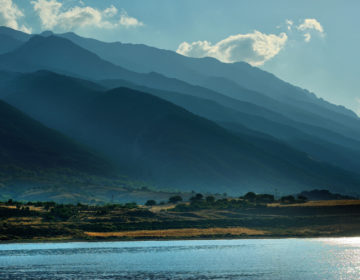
(178, 122)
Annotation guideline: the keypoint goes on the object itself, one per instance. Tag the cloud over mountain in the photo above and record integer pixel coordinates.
(10, 15)
(254, 48)
(53, 15)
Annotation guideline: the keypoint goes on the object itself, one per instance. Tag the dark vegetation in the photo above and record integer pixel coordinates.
(283, 217)
(324, 195)
(250, 199)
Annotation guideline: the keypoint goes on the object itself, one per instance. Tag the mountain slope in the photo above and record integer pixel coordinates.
(142, 58)
(40, 164)
(61, 55)
(232, 79)
(15, 34)
(345, 155)
(26, 142)
(8, 43)
(57, 54)
(163, 143)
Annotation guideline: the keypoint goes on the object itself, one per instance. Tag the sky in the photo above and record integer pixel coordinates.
(313, 44)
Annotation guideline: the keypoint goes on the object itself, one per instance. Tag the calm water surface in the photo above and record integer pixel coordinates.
(330, 258)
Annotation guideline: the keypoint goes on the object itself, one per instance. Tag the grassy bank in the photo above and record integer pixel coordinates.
(50, 221)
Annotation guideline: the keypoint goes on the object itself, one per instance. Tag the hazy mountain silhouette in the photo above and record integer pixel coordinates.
(8, 43)
(61, 55)
(15, 34)
(163, 143)
(142, 58)
(156, 140)
(26, 144)
(346, 154)
(238, 80)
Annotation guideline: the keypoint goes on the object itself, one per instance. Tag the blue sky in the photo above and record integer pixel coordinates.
(318, 51)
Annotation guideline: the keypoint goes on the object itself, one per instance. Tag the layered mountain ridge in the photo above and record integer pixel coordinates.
(179, 122)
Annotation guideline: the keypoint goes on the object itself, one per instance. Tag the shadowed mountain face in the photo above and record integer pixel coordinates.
(158, 141)
(15, 34)
(8, 43)
(39, 163)
(26, 145)
(57, 54)
(321, 144)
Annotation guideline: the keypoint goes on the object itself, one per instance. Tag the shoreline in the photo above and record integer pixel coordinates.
(98, 240)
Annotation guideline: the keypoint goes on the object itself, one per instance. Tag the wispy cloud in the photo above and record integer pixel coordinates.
(309, 25)
(10, 15)
(54, 16)
(357, 100)
(254, 48)
(289, 24)
(127, 21)
(307, 37)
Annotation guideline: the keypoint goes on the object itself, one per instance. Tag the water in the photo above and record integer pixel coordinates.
(331, 258)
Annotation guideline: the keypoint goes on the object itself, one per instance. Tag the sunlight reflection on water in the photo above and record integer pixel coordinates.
(342, 241)
(322, 258)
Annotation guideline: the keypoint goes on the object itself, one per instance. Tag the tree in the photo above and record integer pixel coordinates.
(197, 197)
(210, 199)
(150, 202)
(175, 199)
(250, 196)
(287, 199)
(265, 198)
(302, 198)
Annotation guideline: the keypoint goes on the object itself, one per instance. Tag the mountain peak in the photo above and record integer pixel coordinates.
(47, 33)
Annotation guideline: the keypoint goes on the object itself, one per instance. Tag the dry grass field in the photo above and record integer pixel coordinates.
(181, 233)
(319, 203)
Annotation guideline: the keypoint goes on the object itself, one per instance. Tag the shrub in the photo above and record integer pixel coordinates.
(210, 199)
(265, 198)
(287, 199)
(302, 198)
(150, 202)
(250, 196)
(198, 197)
(175, 199)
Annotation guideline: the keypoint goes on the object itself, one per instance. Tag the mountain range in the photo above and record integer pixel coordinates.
(174, 121)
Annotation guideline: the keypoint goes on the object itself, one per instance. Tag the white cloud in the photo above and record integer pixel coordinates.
(289, 24)
(111, 11)
(307, 37)
(254, 48)
(10, 14)
(128, 21)
(310, 24)
(54, 16)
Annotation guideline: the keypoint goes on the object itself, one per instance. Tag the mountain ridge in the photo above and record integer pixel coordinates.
(170, 146)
